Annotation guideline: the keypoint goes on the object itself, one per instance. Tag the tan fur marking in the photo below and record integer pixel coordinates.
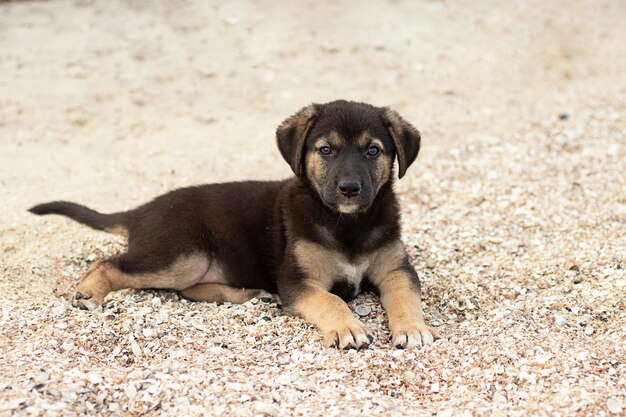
(365, 140)
(321, 142)
(322, 265)
(402, 302)
(117, 230)
(385, 260)
(335, 140)
(318, 263)
(220, 293)
(404, 309)
(333, 317)
(400, 298)
(315, 170)
(184, 272)
(382, 169)
(383, 164)
(313, 161)
(377, 142)
(102, 278)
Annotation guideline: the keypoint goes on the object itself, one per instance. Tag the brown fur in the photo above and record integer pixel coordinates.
(315, 170)
(221, 293)
(333, 317)
(322, 265)
(317, 239)
(399, 130)
(117, 230)
(104, 277)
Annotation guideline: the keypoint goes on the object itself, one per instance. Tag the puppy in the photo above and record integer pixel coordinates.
(317, 239)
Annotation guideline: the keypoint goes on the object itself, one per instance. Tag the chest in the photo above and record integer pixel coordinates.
(348, 282)
(331, 269)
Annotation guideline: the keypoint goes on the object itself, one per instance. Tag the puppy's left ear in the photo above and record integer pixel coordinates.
(406, 138)
(291, 136)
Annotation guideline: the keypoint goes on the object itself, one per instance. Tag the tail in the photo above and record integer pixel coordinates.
(107, 222)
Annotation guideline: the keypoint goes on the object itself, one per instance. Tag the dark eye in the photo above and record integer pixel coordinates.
(325, 150)
(373, 150)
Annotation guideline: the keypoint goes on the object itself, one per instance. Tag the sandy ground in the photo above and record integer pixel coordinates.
(514, 213)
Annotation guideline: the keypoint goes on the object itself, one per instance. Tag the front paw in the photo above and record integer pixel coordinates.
(348, 335)
(406, 337)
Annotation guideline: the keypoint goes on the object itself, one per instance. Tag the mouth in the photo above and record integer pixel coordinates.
(346, 205)
(348, 208)
(352, 205)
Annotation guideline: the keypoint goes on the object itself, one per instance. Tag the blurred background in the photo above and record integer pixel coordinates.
(115, 101)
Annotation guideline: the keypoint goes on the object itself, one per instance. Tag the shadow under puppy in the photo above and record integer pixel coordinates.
(316, 239)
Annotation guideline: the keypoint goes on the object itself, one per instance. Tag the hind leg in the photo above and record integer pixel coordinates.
(221, 293)
(129, 271)
(94, 286)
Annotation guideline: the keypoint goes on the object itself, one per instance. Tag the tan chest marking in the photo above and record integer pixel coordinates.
(324, 265)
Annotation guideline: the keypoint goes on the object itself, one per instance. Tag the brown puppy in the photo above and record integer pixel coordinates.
(316, 239)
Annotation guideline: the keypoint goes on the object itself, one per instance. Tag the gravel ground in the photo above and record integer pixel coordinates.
(514, 214)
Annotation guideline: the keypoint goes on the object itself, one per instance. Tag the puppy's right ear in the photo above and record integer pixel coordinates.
(291, 136)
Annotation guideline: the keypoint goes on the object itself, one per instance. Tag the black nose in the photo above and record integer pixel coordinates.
(349, 188)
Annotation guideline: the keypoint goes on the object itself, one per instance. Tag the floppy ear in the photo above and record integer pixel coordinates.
(405, 137)
(291, 135)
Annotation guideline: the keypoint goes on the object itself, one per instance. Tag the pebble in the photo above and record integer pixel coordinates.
(131, 390)
(398, 353)
(499, 398)
(446, 412)
(134, 346)
(363, 310)
(615, 405)
(42, 378)
(59, 311)
(264, 408)
(282, 358)
(94, 378)
(560, 321)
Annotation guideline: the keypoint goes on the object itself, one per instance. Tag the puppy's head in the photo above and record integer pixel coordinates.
(346, 150)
